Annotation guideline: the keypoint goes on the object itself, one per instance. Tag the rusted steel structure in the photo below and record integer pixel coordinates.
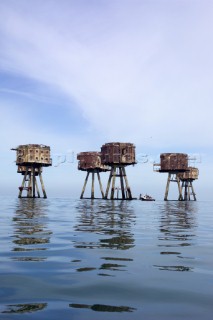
(91, 162)
(30, 159)
(173, 164)
(177, 162)
(187, 179)
(118, 155)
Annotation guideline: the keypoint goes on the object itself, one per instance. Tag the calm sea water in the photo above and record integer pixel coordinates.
(98, 259)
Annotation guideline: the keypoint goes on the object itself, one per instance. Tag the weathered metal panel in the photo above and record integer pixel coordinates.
(192, 174)
(90, 161)
(118, 153)
(32, 154)
(173, 162)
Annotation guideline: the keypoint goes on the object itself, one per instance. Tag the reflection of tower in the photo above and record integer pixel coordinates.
(173, 163)
(91, 162)
(187, 178)
(25, 308)
(30, 159)
(104, 225)
(177, 232)
(31, 236)
(118, 155)
(115, 227)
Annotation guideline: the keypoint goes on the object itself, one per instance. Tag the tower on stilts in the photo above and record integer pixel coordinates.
(173, 164)
(118, 155)
(30, 159)
(187, 179)
(91, 163)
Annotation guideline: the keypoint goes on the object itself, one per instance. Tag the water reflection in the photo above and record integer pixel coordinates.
(174, 268)
(177, 231)
(113, 220)
(177, 224)
(30, 229)
(102, 307)
(25, 308)
(106, 225)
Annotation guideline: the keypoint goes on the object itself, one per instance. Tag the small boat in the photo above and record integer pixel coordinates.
(146, 197)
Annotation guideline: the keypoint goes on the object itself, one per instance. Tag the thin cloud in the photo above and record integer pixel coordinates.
(133, 69)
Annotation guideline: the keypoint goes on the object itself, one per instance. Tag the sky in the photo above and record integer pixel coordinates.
(75, 74)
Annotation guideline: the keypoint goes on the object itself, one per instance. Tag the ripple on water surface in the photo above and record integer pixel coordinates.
(114, 259)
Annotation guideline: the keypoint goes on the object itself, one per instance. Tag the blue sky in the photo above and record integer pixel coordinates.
(77, 74)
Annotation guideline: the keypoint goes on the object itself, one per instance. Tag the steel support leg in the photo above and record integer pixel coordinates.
(84, 186)
(37, 189)
(109, 182)
(193, 192)
(129, 194)
(113, 183)
(100, 184)
(30, 183)
(122, 183)
(33, 174)
(42, 183)
(93, 186)
(167, 187)
(179, 188)
(22, 185)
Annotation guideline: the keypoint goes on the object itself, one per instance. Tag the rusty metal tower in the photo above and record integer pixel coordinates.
(30, 159)
(118, 155)
(91, 162)
(187, 179)
(173, 164)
